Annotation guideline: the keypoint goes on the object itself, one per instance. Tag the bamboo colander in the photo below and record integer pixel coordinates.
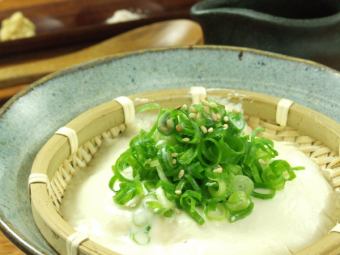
(313, 133)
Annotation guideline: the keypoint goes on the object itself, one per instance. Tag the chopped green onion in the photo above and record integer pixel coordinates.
(141, 237)
(215, 211)
(242, 183)
(197, 159)
(238, 201)
(141, 217)
(263, 193)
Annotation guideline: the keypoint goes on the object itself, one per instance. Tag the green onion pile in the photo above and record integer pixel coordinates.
(198, 159)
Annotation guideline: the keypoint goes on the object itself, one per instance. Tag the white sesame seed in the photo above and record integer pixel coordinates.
(174, 154)
(174, 161)
(179, 128)
(213, 116)
(178, 192)
(184, 107)
(286, 175)
(226, 118)
(218, 116)
(210, 130)
(225, 126)
(204, 129)
(186, 139)
(181, 173)
(218, 170)
(192, 115)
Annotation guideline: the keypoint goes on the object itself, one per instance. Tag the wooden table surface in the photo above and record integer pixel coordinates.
(7, 248)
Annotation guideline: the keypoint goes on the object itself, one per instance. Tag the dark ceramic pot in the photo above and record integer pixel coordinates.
(303, 28)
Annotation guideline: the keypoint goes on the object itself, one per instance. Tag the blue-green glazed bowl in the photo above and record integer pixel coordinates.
(301, 28)
(29, 119)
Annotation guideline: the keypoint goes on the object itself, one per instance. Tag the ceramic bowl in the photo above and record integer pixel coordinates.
(29, 119)
(301, 28)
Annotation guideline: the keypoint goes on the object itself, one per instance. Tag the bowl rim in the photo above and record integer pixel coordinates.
(197, 10)
(6, 227)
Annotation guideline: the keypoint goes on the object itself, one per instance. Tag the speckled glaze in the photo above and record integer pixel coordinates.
(28, 120)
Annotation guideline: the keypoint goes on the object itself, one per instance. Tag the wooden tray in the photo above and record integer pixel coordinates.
(68, 22)
(312, 132)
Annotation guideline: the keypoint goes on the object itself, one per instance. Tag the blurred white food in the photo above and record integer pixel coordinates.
(15, 27)
(124, 15)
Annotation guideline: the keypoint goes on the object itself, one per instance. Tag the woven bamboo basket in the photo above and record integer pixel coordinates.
(313, 133)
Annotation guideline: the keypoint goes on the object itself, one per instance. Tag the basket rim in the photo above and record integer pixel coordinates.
(182, 93)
